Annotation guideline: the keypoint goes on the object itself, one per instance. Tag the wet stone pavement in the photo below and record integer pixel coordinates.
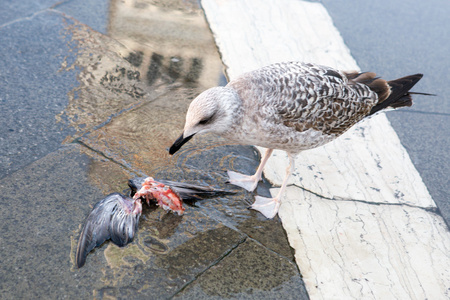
(92, 94)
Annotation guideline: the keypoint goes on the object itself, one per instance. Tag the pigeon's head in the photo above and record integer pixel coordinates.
(212, 111)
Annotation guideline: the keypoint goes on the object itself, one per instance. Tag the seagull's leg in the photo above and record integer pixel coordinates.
(249, 182)
(269, 206)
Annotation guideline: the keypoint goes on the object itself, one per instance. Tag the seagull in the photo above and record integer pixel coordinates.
(291, 106)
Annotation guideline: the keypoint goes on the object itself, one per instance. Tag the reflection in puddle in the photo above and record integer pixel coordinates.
(170, 41)
(134, 90)
(108, 84)
(154, 245)
(117, 257)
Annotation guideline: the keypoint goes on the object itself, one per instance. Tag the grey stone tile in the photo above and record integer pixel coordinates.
(249, 272)
(41, 207)
(33, 90)
(92, 13)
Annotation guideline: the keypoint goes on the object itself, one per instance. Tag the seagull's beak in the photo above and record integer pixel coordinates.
(179, 143)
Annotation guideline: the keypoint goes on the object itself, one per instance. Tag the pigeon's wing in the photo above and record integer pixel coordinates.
(123, 226)
(111, 218)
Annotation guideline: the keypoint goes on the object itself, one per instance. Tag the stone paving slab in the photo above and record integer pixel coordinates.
(357, 250)
(42, 205)
(268, 277)
(32, 51)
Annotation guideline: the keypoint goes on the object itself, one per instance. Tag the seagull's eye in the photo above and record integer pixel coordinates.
(204, 121)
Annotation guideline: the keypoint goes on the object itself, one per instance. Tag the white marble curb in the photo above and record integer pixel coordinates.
(357, 213)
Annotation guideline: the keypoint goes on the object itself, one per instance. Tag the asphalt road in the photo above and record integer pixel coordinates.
(395, 38)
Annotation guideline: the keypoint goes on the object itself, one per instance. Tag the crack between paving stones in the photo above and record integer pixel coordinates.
(250, 238)
(27, 18)
(292, 261)
(123, 165)
(272, 251)
(131, 108)
(433, 210)
(55, 6)
(227, 253)
(31, 16)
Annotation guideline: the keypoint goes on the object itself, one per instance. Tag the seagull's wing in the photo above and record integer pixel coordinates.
(307, 96)
(112, 218)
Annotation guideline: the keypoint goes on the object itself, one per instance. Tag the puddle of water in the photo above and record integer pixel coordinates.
(134, 93)
(170, 40)
(130, 106)
(108, 84)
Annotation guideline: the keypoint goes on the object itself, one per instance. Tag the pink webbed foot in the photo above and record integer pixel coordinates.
(244, 181)
(267, 206)
(249, 182)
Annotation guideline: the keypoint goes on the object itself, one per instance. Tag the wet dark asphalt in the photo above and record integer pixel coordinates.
(80, 114)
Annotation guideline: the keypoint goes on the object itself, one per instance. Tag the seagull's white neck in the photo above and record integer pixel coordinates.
(232, 104)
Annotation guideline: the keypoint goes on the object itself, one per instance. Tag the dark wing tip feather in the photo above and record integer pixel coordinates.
(186, 191)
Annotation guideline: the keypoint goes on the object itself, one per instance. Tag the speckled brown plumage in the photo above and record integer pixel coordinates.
(304, 96)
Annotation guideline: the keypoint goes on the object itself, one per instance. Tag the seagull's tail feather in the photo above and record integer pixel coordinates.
(397, 95)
